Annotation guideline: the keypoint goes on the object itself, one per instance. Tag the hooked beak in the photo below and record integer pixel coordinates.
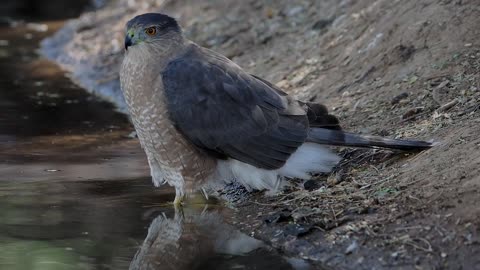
(129, 38)
(128, 41)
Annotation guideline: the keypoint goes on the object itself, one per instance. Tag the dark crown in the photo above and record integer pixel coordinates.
(149, 19)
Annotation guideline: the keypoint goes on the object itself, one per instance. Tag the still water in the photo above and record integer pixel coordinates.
(74, 187)
(118, 225)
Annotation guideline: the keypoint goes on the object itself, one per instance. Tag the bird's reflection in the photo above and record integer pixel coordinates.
(199, 239)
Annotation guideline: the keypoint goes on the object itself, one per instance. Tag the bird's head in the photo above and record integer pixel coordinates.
(151, 29)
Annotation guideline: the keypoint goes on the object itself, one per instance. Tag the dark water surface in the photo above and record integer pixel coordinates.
(74, 188)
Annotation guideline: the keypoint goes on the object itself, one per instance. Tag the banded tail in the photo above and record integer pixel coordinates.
(341, 138)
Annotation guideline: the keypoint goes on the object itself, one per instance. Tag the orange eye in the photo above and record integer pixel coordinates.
(151, 31)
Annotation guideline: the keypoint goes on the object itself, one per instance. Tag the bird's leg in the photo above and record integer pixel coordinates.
(205, 194)
(179, 196)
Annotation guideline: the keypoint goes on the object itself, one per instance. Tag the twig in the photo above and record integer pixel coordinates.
(413, 182)
(436, 198)
(447, 106)
(264, 204)
(413, 116)
(375, 168)
(470, 109)
(378, 182)
(334, 216)
(408, 228)
(413, 244)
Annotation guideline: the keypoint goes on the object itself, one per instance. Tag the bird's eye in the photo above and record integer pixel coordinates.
(151, 31)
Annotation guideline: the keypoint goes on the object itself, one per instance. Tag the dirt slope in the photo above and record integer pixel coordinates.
(396, 68)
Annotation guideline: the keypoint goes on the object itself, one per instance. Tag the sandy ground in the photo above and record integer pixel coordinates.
(395, 68)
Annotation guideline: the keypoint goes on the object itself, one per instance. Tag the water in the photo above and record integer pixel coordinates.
(74, 188)
(103, 224)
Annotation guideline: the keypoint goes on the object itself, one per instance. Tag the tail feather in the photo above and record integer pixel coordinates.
(341, 138)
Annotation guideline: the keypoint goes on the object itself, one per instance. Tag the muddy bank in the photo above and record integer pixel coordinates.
(400, 69)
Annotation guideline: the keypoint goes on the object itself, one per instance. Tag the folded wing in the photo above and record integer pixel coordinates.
(230, 114)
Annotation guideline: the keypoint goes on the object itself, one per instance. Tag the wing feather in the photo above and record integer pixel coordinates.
(229, 113)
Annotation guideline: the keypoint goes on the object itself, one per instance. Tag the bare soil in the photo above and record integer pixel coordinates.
(404, 69)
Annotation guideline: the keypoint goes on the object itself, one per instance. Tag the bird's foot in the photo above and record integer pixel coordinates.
(191, 199)
(178, 200)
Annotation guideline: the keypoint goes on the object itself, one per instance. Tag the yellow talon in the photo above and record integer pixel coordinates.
(178, 200)
(190, 200)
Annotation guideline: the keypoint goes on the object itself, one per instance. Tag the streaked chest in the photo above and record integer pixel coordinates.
(144, 95)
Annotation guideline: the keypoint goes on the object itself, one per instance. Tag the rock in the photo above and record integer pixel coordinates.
(302, 213)
(321, 24)
(282, 216)
(311, 185)
(297, 229)
(294, 11)
(412, 112)
(352, 247)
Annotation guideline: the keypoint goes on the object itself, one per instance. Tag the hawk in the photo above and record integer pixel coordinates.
(201, 118)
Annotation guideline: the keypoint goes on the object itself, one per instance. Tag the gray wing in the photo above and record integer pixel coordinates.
(228, 113)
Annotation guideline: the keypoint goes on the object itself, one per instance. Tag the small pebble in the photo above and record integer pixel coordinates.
(352, 247)
(412, 112)
(294, 11)
(398, 98)
(311, 185)
(321, 24)
(335, 179)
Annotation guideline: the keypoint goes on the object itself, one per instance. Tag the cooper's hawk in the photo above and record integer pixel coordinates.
(201, 118)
